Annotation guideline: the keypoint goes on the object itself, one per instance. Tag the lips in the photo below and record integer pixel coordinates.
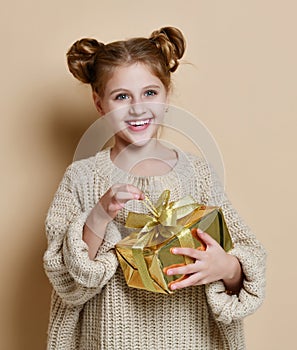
(139, 125)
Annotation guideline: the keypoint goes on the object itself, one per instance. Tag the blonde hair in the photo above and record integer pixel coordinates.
(93, 62)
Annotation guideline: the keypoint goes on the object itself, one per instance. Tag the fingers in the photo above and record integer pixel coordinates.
(206, 238)
(116, 198)
(209, 263)
(192, 274)
(122, 193)
(191, 280)
(109, 205)
(125, 192)
(191, 252)
(123, 197)
(182, 270)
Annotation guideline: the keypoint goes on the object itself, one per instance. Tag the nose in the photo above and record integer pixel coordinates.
(137, 109)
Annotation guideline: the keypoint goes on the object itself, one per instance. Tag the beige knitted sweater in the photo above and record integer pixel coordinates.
(93, 308)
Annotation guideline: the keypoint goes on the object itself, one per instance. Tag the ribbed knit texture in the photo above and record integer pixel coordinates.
(93, 308)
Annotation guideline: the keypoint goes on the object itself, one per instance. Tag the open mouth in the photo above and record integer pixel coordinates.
(139, 122)
(138, 125)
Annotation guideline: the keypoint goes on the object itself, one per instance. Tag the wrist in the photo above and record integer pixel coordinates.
(233, 278)
(97, 222)
(99, 216)
(232, 268)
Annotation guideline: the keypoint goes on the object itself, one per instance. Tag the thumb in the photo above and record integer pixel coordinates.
(206, 238)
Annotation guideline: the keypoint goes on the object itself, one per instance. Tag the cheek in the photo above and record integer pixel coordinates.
(158, 110)
(117, 107)
(107, 107)
(115, 119)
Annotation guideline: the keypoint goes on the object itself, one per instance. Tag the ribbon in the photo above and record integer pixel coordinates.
(161, 224)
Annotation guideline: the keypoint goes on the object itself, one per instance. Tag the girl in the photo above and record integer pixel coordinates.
(92, 307)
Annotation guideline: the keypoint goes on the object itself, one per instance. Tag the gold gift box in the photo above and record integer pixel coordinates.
(145, 254)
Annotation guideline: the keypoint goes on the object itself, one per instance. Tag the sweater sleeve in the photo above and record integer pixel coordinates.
(75, 277)
(251, 256)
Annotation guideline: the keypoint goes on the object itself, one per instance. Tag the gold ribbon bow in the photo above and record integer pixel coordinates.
(162, 224)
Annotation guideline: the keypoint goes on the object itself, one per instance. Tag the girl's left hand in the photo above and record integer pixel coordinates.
(211, 265)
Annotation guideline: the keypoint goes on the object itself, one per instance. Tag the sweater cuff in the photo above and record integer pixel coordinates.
(227, 308)
(90, 273)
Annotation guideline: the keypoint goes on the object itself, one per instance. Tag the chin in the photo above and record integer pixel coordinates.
(141, 142)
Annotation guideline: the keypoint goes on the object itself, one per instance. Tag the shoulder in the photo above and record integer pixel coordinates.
(199, 164)
(206, 175)
(87, 168)
(210, 172)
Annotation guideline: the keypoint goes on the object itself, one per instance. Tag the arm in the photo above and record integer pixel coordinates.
(251, 256)
(240, 271)
(75, 277)
(105, 211)
(92, 240)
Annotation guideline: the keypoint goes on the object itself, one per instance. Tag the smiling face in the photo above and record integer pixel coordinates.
(134, 102)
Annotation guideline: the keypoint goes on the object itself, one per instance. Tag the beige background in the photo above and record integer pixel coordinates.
(242, 85)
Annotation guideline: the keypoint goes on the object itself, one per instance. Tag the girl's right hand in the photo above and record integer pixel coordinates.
(105, 211)
(115, 199)
(110, 204)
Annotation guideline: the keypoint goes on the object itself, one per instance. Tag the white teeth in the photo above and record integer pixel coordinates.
(138, 122)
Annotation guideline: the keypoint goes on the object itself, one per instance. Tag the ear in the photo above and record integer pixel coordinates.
(97, 102)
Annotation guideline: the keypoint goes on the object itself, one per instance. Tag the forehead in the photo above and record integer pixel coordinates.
(136, 75)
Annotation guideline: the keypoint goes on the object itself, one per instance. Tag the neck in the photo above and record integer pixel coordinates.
(128, 156)
(127, 152)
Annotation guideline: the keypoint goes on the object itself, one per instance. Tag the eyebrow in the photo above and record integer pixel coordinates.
(127, 90)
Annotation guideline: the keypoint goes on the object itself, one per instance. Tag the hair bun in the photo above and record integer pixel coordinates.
(81, 57)
(171, 42)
